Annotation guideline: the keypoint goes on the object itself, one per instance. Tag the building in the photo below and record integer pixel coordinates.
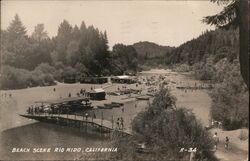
(97, 94)
(94, 80)
(123, 79)
(69, 79)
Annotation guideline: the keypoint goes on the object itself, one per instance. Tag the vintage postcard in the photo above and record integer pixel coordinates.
(124, 80)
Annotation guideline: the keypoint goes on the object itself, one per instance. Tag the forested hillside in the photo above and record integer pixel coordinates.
(214, 56)
(147, 50)
(76, 51)
(218, 44)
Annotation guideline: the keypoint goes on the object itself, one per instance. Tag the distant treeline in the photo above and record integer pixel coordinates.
(213, 57)
(39, 60)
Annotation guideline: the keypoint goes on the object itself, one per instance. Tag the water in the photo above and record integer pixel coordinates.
(18, 132)
(42, 135)
(34, 134)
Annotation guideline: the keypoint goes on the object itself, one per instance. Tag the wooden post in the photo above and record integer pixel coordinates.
(101, 122)
(102, 119)
(86, 123)
(112, 121)
(191, 156)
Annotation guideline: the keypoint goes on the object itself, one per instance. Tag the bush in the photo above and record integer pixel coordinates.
(14, 78)
(230, 99)
(45, 68)
(204, 71)
(181, 68)
(166, 129)
(243, 134)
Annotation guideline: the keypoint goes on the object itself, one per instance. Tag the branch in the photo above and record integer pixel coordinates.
(223, 2)
(226, 18)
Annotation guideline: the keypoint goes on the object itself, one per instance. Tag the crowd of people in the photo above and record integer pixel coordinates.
(34, 110)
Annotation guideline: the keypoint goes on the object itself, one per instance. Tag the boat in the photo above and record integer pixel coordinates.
(112, 105)
(142, 98)
(62, 106)
(151, 94)
(117, 103)
(104, 107)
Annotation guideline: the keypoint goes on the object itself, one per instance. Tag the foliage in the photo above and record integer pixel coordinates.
(81, 51)
(21, 51)
(234, 15)
(181, 68)
(39, 34)
(16, 29)
(15, 78)
(230, 97)
(166, 129)
(204, 70)
(124, 57)
(218, 44)
(148, 51)
(227, 17)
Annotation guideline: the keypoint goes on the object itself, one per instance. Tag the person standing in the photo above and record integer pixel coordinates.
(216, 140)
(94, 116)
(226, 143)
(122, 125)
(86, 116)
(118, 123)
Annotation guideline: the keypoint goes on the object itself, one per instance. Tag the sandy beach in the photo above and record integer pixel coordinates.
(196, 100)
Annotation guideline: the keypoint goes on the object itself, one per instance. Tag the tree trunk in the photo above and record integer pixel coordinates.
(243, 9)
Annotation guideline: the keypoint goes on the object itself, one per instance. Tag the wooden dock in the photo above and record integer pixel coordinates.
(102, 125)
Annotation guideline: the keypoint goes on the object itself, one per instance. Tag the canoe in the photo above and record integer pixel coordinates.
(142, 98)
(104, 107)
(151, 94)
(117, 103)
(112, 105)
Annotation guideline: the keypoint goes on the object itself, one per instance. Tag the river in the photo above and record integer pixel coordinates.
(18, 132)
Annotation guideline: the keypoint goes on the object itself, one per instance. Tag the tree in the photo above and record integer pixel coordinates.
(39, 34)
(76, 34)
(16, 45)
(165, 129)
(16, 29)
(73, 53)
(125, 57)
(63, 38)
(235, 14)
(230, 103)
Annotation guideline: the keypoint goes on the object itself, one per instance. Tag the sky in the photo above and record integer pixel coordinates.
(168, 23)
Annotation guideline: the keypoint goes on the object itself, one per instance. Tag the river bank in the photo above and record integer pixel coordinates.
(40, 134)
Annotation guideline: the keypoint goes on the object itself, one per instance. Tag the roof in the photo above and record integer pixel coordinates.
(98, 90)
(63, 100)
(123, 77)
(94, 77)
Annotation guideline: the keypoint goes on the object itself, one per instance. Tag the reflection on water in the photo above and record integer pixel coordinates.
(51, 136)
(45, 135)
